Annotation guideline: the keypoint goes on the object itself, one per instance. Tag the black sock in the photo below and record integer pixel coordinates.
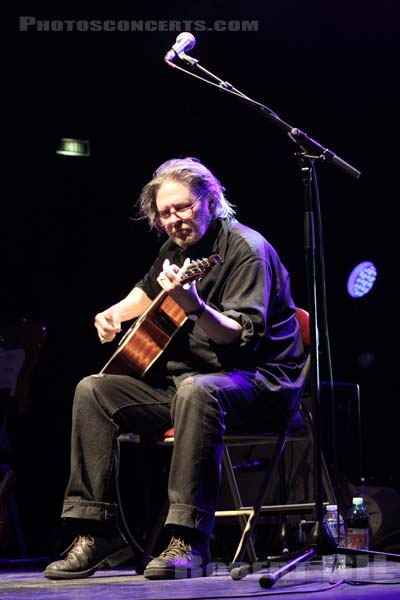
(108, 528)
(189, 535)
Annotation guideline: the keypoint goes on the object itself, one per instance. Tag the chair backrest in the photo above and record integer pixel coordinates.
(303, 319)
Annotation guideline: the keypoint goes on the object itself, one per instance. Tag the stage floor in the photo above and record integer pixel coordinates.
(379, 579)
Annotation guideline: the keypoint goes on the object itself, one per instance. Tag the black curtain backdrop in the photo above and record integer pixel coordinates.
(71, 248)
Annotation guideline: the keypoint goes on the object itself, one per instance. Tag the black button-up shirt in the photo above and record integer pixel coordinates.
(250, 285)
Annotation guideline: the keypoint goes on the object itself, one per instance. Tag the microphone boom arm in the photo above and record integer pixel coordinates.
(304, 141)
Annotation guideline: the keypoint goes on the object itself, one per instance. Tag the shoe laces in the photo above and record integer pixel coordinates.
(76, 546)
(176, 548)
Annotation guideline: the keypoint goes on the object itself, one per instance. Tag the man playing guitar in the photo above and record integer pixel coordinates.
(228, 352)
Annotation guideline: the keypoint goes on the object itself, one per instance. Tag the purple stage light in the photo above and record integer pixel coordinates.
(361, 279)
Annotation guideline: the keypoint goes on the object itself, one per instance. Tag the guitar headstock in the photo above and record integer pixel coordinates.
(197, 269)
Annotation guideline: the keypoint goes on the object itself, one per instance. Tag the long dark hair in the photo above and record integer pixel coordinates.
(191, 172)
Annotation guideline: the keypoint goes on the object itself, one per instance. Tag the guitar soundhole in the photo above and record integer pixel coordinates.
(164, 322)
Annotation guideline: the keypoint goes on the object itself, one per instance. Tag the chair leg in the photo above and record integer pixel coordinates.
(267, 480)
(283, 536)
(264, 490)
(326, 480)
(284, 494)
(237, 501)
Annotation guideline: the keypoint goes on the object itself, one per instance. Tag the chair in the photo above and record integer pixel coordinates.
(291, 431)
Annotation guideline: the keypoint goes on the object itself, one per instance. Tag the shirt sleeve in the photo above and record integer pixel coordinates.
(246, 298)
(257, 295)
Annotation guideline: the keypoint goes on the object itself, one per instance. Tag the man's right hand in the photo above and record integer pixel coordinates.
(108, 324)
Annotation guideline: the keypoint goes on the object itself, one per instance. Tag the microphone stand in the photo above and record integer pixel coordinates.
(322, 542)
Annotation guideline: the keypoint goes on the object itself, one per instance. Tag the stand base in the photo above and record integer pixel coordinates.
(322, 544)
(267, 581)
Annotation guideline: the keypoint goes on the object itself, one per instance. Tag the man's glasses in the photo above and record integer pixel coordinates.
(182, 212)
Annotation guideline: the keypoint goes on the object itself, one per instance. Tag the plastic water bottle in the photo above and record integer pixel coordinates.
(357, 532)
(332, 519)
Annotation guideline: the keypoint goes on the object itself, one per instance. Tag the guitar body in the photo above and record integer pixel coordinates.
(147, 338)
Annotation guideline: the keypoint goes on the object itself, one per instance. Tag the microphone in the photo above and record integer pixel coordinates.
(184, 42)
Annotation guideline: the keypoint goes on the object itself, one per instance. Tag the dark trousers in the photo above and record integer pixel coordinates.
(198, 406)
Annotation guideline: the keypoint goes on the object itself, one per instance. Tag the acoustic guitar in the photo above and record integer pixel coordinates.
(145, 341)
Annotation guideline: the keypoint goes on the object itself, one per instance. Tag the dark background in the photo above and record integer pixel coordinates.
(71, 248)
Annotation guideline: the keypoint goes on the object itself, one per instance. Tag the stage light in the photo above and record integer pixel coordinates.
(72, 147)
(361, 279)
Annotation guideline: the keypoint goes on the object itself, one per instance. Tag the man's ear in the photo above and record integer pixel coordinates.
(211, 203)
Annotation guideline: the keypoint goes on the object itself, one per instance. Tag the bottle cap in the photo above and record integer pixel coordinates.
(358, 501)
(331, 507)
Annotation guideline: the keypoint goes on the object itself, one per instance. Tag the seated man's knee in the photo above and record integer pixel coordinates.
(86, 385)
(195, 392)
(87, 388)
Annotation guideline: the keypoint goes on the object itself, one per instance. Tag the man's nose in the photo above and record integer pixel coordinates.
(173, 214)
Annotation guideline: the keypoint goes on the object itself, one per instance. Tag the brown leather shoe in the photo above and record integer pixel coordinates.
(89, 553)
(181, 560)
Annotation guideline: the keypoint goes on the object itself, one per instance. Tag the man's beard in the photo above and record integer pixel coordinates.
(184, 237)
